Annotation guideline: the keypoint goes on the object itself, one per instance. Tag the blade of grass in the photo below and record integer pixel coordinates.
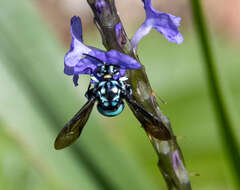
(24, 119)
(78, 152)
(35, 60)
(37, 163)
(225, 124)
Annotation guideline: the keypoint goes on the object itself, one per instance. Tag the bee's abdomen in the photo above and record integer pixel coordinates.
(108, 111)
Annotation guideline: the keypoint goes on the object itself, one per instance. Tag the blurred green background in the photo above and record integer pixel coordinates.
(37, 99)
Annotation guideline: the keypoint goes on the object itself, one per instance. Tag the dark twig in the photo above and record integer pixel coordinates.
(171, 162)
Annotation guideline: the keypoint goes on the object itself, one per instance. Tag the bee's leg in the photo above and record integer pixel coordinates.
(128, 89)
(125, 88)
(91, 92)
(89, 86)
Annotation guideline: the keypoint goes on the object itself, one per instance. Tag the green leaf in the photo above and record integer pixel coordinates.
(38, 99)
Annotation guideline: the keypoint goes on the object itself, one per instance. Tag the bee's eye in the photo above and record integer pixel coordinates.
(116, 71)
(99, 72)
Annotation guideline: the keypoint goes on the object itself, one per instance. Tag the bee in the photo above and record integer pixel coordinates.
(108, 88)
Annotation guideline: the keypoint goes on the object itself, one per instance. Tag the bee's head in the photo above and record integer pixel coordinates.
(107, 71)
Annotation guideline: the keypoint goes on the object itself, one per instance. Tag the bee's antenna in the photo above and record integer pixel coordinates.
(94, 58)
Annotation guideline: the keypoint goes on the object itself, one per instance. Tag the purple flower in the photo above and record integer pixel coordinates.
(101, 6)
(164, 23)
(77, 62)
(121, 38)
(179, 168)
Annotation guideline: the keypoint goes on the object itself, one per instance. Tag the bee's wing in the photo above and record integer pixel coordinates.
(153, 124)
(73, 128)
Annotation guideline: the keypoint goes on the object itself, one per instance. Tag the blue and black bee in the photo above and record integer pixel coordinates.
(109, 91)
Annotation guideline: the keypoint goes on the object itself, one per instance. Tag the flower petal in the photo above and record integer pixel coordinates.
(166, 24)
(114, 57)
(77, 61)
(76, 28)
(75, 79)
(121, 38)
(77, 49)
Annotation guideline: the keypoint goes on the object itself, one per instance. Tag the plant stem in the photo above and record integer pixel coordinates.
(224, 122)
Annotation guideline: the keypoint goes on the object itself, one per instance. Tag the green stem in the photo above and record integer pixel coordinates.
(171, 161)
(224, 121)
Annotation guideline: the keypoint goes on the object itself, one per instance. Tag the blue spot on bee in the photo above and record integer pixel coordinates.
(114, 103)
(111, 113)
